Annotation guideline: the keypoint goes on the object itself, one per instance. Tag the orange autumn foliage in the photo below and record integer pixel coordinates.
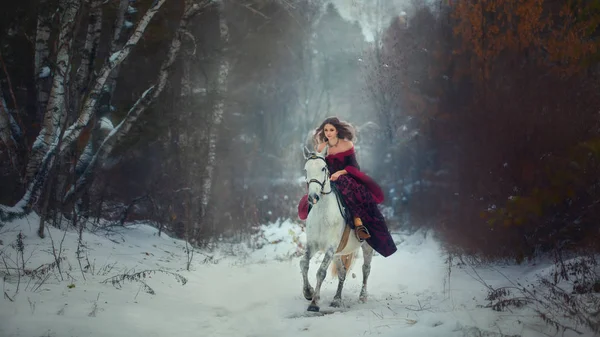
(512, 95)
(558, 37)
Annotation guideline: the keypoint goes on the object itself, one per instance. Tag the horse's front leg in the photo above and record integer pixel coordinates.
(321, 273)
(307, 290)
(366, 269)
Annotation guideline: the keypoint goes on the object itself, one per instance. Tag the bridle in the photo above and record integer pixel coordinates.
(322, 184)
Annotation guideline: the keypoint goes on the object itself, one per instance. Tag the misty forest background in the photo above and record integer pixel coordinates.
(479, 118)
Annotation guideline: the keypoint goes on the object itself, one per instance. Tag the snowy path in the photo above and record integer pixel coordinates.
(256, 295)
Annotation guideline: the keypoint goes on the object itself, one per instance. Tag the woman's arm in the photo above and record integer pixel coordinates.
(338, 174)
(351, 164)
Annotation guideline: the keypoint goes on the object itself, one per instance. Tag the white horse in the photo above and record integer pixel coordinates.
(324, 230)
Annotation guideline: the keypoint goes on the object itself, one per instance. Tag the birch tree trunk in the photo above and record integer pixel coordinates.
(90, 48)
(56, 108)
(218, 110)
(42, 51)
(6, 133)
(147, 98)
(115, 45)
(82, 80)
(89, 53)
(119, 22)
(60, 147)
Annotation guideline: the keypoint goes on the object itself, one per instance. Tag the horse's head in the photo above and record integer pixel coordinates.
(317, 175)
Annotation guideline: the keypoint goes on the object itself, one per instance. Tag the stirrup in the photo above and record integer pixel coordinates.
(361, 229)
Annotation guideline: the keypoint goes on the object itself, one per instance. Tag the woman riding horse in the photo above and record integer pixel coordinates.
(360, 193)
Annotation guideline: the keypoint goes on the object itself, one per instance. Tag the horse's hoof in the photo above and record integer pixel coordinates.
(363, 298)
(308, 293)
(313, 308)
(337, 303)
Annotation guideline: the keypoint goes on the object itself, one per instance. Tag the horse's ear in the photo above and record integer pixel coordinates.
(305, 152)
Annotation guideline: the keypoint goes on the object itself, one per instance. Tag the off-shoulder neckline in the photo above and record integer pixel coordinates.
(349, 151)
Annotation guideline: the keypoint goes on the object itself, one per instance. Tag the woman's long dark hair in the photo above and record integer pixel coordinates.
(345, 130)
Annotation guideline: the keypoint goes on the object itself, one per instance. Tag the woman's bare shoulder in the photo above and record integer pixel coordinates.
(346, 145)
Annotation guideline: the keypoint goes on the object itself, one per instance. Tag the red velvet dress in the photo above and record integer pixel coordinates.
(361, 194)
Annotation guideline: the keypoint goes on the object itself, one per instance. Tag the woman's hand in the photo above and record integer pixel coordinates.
(336, 175)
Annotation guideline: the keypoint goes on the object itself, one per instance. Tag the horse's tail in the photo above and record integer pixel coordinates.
(347, 260)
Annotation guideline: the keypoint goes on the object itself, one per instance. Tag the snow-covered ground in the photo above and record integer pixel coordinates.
(251, 289)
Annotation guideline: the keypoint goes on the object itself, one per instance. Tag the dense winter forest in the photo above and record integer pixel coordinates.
(479, 118)
(190, 114)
